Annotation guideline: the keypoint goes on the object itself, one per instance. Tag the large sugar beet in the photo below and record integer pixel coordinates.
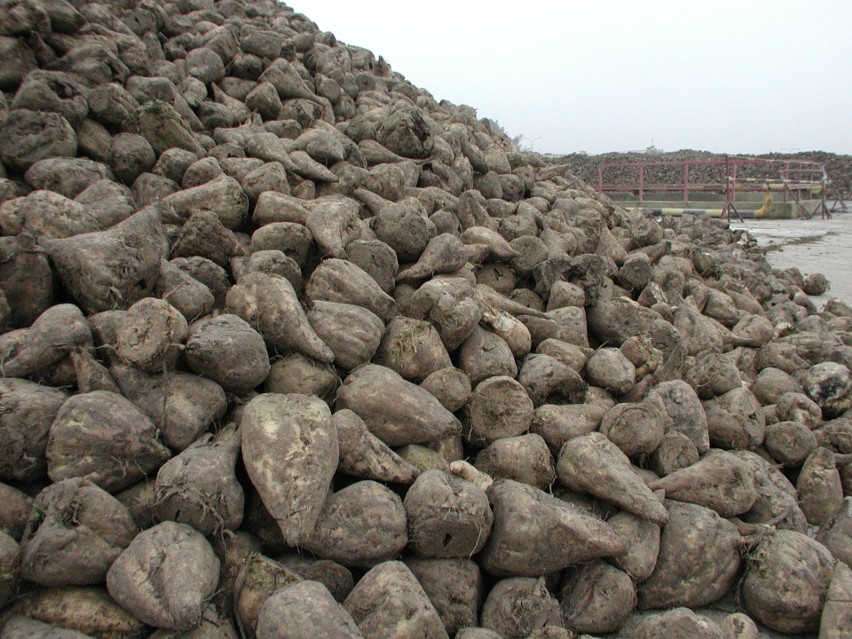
(643, 544)
(389, 598)
(298, 429)
(181, 405)
(396, 411)
(700, 332)
(351, 332)
(735, 420)
(165, 576)
(270, 262)
(450, 386)
(720, 481)
(610, 369)
(772, 383)
(26, 279)
(516, 607)
(375, 258)
(536, 534)
(712, 374)
(10, 577)
(510, 329)
(27, 410)
(828, 384)
(291, 239)
(151, 335)
(303, 611)
(444, 253)
(364, 455)
(198, 487)
(680, 622)
(360, 525)
(31, 136)
(836, 532)
(334, 224)
(698, 561)
(192, 298)
(786, 582)
(836, 616)
(204, 235)
(675, 452)
(412, 348)
(637, 429)
(228, 351)
(103, 437)
(257, 579)
(116, 267)
(485, 355)
(223, 196)
(557, 423)
(25, 628)
(337, 280)
(618, 319)
(16, 511)
(55, 333)
(499, 407)
(446, 302)
(596, 598)
(213, 626)
(546, 378)
(525, 458)
(407, 133)
(777, 497)
(593, 464)
(799, 407)
(447, 516)
(684, 412)
(334, 576)
(790, 443)
(270, 304)
(75, 532)
(454, 586)
(46, 214)
(302, 375)
(88, 610)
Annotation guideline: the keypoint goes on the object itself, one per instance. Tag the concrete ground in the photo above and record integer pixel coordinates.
(813, 246)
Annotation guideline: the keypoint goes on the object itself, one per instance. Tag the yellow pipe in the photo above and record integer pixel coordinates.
(767, 206)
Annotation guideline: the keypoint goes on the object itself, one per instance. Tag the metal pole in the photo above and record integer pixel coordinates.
(734, 192)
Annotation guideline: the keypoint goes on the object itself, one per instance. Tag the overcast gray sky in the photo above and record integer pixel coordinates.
(744, 76)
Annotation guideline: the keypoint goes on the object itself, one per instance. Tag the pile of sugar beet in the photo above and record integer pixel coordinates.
(290, 349)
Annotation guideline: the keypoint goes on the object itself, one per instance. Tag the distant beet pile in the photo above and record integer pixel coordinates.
(292, 350)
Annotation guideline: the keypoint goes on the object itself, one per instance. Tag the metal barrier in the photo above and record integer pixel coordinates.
(728, 176)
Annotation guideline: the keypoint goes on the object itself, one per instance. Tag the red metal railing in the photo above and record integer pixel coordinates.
(797, 174)
(727, 176)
